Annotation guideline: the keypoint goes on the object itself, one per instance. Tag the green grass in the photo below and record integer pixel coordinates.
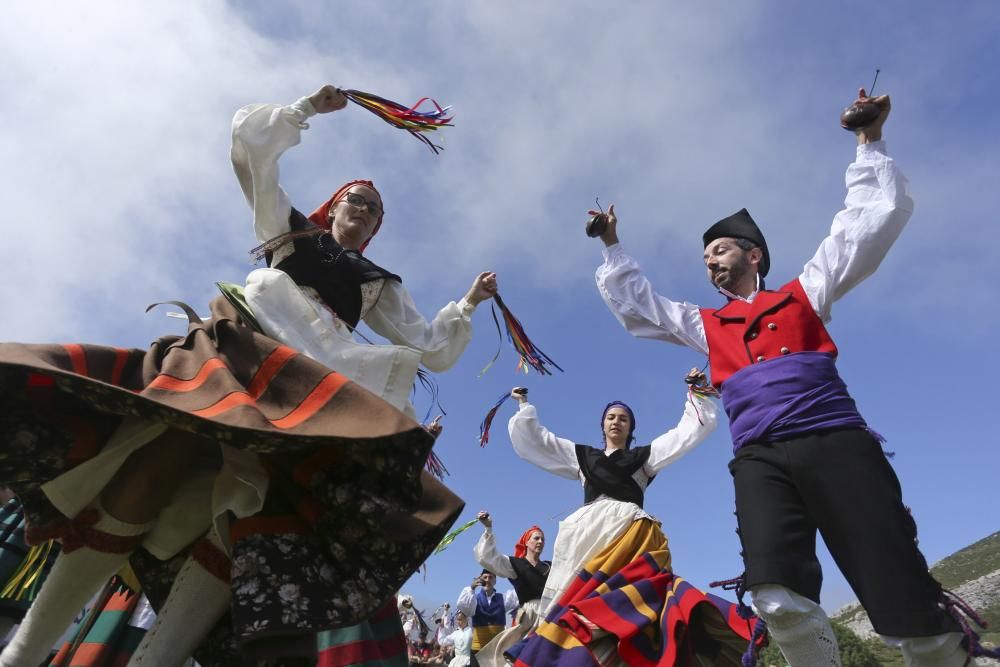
(970, 563)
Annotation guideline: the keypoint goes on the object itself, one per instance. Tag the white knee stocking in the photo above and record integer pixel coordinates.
(197, 600)
(799, 626)
(76, 576)
(937, 651)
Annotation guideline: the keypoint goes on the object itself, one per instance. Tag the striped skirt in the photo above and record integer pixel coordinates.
(627, 607)
(349, 512)
(110, 630)
(378, 642)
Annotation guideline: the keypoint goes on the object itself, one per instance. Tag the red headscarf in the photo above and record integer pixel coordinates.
(321, 216)
(521, 548)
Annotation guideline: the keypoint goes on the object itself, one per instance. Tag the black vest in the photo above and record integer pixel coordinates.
(530, 580)
(333, 271)
(611, 475)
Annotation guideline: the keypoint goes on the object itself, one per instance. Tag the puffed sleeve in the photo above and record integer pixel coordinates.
(640, 309)
(510, 601)
(442, 340)
(877, 207)
(698, 421)
(261, 134)
(488, 556)
(536, 444)
(467, 602)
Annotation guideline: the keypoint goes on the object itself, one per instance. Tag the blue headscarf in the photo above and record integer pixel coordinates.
(631, 419)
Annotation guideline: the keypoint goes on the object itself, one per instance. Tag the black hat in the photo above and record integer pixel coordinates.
(485, 571)
(740, 225)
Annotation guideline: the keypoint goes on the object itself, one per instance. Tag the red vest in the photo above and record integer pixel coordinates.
(776, 323)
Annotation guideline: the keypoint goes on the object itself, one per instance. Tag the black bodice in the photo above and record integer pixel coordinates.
(611, 475)
(335, 272)
(530, 580)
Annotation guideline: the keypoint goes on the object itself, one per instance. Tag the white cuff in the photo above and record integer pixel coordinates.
(610, 251)
(871, 150)
(303, 108)
(466, 308)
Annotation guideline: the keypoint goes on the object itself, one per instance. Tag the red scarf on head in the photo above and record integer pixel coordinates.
(321, 216)
(521, 548)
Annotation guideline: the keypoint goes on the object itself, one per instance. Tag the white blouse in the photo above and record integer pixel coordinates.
(876, 208)
(489, 556)
(468, 605)
(536, 444)
(261, 134)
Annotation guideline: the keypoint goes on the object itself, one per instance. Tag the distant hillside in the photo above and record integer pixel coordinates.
(973, 573)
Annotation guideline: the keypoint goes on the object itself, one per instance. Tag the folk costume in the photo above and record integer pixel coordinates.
(487, 612)
(528, 581)
(461, 640)
(312, 464)
(313, 295)
(804, 458)
(611, 596)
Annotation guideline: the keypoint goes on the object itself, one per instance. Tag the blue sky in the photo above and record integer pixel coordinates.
(118, 193)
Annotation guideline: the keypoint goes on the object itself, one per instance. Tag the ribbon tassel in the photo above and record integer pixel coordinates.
(529, 355)
(416, 122)
(484, 426)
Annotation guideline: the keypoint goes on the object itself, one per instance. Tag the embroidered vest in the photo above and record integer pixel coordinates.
(611, 475)
(777, 323)
(489, 619)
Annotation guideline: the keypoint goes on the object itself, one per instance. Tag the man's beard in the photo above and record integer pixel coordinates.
(732, 275)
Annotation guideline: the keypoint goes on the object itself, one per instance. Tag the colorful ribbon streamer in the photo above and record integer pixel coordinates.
(484, 426)
(529, 355)
(416, 122)
(435, 466)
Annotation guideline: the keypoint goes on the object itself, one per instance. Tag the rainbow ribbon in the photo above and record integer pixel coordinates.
(416, 122)
(529, 355)
(484, 426)
(435, 466)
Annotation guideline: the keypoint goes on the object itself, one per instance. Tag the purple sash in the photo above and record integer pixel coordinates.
(786, 397)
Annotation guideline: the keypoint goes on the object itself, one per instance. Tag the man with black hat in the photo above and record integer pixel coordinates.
(805, 459)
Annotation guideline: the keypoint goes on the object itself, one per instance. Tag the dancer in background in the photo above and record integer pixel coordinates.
(526, 572)
(486, 608)
(611, 576)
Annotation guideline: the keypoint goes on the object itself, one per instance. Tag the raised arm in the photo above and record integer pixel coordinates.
(442, 340)
(634, 302)
(536, 444)
(487, 554)
(261, 134)
(697, 423)
(876, 208)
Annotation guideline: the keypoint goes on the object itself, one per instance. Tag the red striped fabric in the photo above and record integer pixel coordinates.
(77, 358)
(274, 363)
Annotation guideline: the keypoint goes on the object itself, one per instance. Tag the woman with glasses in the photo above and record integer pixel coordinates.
(318, 284)
(260, 492)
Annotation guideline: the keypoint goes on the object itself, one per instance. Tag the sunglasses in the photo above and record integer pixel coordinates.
(356, 200)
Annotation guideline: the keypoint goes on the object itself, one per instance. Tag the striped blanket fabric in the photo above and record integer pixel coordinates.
(641, 614)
